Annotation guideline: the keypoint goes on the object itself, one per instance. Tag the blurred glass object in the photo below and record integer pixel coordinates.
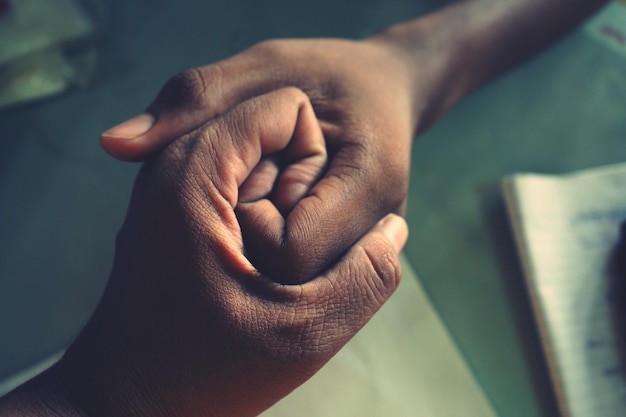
(46, 47)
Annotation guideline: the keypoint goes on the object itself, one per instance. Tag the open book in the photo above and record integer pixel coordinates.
(567, 228)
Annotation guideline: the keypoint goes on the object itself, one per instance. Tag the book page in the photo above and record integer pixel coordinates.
(567, 228)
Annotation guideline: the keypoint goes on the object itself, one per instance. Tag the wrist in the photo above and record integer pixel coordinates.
(431, 48)
(458, 48)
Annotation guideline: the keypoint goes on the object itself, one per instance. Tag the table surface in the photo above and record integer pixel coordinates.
(63, 199)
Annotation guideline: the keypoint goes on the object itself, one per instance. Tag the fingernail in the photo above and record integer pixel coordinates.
(396, 230)
(132, 128)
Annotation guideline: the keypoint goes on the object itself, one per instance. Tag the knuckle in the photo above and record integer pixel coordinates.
(184, 89)
(383, 267)
(270, 49)
(294, 94)
(189, 88)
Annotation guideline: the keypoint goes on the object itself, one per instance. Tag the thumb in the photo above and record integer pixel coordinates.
(187, 101)
(363, 279)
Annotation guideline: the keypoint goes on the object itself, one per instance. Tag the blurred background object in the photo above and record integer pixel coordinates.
(46, 46)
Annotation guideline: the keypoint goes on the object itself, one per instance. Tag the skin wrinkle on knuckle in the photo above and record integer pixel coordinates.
(385, 267)
(352, 165)
(191, 149)
(240, 127)
(199, 93)
(211, 146)
(195, 88)
(192, 182)
(178, 153)
(210, 84)
(182, 90)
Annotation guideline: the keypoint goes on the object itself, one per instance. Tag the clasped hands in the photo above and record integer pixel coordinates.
(253, 248)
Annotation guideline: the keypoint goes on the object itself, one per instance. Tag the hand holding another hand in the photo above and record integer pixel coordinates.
(361, 95)
(187, 325)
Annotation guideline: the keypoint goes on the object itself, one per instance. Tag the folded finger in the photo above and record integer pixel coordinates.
(359, 186)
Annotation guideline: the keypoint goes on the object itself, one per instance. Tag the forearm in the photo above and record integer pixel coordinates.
(470, 42)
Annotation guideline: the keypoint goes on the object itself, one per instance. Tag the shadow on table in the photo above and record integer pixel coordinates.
(509, 266)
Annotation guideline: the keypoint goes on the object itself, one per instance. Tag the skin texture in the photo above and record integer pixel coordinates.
(253, 247)
(365, 122)
(187, 325)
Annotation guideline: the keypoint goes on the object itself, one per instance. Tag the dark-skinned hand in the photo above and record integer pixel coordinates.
(187, 325)
(361, 98)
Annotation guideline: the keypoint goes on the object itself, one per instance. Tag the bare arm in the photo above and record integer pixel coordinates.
(471, 42)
